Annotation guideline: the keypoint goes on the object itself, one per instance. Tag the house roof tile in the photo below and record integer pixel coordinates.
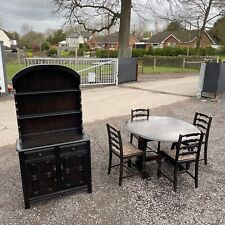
(112, 38)
(9, 35)
(182, 36)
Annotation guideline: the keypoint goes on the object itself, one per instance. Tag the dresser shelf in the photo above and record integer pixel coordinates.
(46, 92)
(38, 115)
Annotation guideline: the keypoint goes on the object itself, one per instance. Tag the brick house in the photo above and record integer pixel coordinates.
(179, 38)
(110, 41)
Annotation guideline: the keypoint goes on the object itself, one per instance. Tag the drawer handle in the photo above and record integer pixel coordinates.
(36, 192)
(73, 148)
(39, 154)
(34, 177)
(49, 174)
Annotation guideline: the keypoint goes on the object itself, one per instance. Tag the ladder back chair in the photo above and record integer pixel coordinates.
(187, 151)
(138, 114)
(123, 151)
(203, 123)
(141, 114)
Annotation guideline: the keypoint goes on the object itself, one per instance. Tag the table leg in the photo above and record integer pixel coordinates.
(140, 162)
(142, 144)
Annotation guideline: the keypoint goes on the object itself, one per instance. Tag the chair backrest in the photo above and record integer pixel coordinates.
(115, 140)
(189, 146)
(203, 122)
(139, 114)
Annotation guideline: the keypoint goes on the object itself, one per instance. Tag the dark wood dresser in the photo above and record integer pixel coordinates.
(54, 151)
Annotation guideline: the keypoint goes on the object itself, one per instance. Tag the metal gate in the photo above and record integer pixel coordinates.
(92, 71)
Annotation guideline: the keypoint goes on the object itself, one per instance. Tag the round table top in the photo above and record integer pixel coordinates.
(160, 128)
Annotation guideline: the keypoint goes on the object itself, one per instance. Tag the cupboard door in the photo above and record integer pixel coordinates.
(74, 169)
(41, 176)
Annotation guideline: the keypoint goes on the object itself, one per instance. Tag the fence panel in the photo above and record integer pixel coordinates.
(92, 71)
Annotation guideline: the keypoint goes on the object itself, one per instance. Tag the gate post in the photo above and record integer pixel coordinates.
(116, 71)
(3, 78)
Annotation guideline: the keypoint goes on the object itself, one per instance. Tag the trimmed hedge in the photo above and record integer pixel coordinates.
(168, 51)
(52, 52)
(106, 53)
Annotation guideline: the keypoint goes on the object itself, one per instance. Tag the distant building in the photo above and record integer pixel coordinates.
(9, 41)
(110, 41)
(178, 38)
(74, 40)
(63, 44)
(77, 38)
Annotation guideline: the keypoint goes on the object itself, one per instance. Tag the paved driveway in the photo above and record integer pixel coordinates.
(113, 101)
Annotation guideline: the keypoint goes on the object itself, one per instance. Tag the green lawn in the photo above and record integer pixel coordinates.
(149, 69)
(222, 57)
(11, 69)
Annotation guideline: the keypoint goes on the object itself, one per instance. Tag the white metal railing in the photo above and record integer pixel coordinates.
(92, 71)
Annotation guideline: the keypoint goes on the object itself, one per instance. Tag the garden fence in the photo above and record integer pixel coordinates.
(92, 71)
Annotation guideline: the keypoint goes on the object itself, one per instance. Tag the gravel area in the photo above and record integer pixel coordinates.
(138, 201)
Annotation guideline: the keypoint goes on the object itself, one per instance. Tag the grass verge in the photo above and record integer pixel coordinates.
(148, 69)
(12, 69)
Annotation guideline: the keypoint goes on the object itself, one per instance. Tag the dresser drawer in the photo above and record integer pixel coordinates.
(38, 154)
(74, 147)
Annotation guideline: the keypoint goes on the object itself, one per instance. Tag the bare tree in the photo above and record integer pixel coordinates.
(140, 29)
(26, 28)
(88, 13)
(32, 40)
(197, 13)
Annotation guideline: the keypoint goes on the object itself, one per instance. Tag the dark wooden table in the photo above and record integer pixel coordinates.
(158, 128)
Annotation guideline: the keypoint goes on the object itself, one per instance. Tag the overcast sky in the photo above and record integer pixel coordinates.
(37, 13)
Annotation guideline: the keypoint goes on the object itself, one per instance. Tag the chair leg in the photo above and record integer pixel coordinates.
(205, 153)
(131, 138)
(159, 166)
(196, 173)
(175, 178)
(110, 162)
(158, 147)
(129, 163)
(121, 172)
(187, 166)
